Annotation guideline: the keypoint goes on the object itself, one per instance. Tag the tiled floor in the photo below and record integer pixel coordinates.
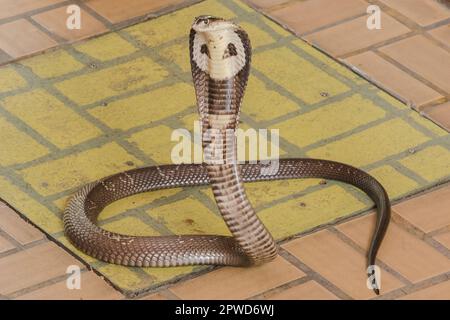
(326, 264)
(409, 56)
(69, 86)
(28, 27)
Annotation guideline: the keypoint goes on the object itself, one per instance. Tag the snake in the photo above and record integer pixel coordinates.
(220, 56)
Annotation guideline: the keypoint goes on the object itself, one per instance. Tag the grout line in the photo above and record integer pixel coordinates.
(272, 291)
(411, 73)
(43, 284)
(347, 240)
(416, 287)
(313, 275)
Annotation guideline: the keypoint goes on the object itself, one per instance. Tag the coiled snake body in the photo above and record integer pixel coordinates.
(220, 55)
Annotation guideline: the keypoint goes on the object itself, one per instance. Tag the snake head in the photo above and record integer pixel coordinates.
(207, 24)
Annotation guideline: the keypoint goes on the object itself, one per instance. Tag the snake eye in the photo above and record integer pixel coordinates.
(206, 21)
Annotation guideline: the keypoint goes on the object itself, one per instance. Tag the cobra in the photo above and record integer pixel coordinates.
(220, 55)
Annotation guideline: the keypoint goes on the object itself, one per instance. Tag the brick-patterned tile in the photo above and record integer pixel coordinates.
(439, 114)
(5, 245)
(154, 296)
(118, 10)
(393, 78)
(440, 291)
(339, 263)
(238, 283)
(423, 57)
(33, 266)
(310, 290)
(428, 212)
(10, 8)
(16, 227)
(92, 288)
(442, 34)
(407, 254)
(306, 16)
(444, 239)
(20, 38)
(354, 35)
(55, 21)
(423, 12)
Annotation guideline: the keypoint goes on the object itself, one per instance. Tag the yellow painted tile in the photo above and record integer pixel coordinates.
(373, 144)
(262, 103)
(75, 170)
(257, 36)
(393, 181)
(189, 216)
(135, 201)
(51, 118)
(34, 210)
(17, 146)
(155, 142)
(432, 163)
(95, 86)
(391, 100)
(250, 139)
(330, 120)
(145, 108)
(158, 31)
(329, 62)
(264, 192)
(108, 47)
(319, 207)
(428, 124)
(178, 54)
(130, 226)
(10, 79)
(124, 277)
(297, 75)
(165, 274)
(53, 64)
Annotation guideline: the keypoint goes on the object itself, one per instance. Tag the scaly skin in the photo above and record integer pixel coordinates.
(220, 55)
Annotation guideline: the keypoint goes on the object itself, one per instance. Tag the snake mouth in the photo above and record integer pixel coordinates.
(208, 23)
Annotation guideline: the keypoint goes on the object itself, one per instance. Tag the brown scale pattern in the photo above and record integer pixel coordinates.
(219, 103)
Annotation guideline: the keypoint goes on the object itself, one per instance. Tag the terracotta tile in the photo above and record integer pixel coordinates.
(154, 296)
(55, 21)
(238, 283)
(422, 12)
(427, 212)
(354, 35)
(20, 38)
(423, 57)
(310, 290)
(407, 254)
(306, 16)
(440, 291)
(393, 78)
(5, 245)
(442, 34)
(15, 7)
(439, 114)
(266, 4)
(92, 288)
(118, 10)
(16, 227)
(444, 239)
(335, 260)
(33, 266)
